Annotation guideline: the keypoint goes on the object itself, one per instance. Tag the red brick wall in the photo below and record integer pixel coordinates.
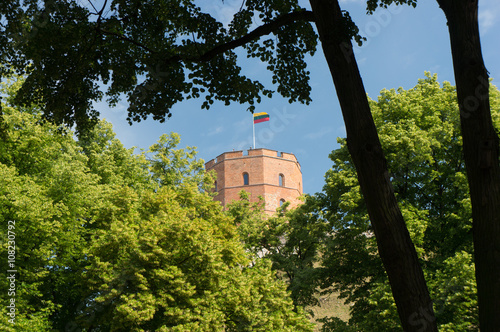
(263, 167)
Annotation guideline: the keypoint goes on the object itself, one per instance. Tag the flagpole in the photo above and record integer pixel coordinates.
(253, 132)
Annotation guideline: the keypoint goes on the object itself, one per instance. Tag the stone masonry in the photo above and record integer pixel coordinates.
(276, 176)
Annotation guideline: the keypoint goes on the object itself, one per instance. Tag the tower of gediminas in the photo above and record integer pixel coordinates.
(276, 176)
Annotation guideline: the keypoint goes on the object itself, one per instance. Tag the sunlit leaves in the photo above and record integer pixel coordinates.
(458, 296)
(420, 133)
(290, 239)
(172, 260)
(110, 240)
(47, 190)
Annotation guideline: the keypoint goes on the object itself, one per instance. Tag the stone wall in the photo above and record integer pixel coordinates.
(264, 168)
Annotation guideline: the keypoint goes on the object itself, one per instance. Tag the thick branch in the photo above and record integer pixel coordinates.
(394, 243)
(259, 32)
(263, 30)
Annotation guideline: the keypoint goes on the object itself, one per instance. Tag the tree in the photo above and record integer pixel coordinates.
(102, 233)
(481, 151)
(111, 161)
(119, 43)
(290, 239)
(480, 145)
(180, 61)
(420, 131)
(173, 167)
(51, 188)
(393, 240)
(46, 192)
(171, 260)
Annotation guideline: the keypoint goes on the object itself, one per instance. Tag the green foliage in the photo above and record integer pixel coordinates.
(251, 222)
(457, 297)
(45, 189)
(302, 234)
(420, 133)
(372, 5)
(290, 239)
(111, 161)
(171, 260)
(172, 167)
(335, 324)
(157, 53)
(107, 240)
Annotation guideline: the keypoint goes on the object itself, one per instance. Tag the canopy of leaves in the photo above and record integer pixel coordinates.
(157, 53)
(111, 241)
(420, 133)
(328, 241)
(290, 239)
(171, 261)
(372, 5)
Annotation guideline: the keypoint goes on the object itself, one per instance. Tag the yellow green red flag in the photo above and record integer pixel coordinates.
(260, 117)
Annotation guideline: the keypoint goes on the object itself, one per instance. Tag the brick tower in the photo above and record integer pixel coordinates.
(276, 176)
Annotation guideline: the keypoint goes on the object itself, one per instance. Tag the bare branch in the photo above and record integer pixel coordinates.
(92, 6)
(101, 12)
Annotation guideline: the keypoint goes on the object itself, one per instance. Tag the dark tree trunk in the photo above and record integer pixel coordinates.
(481, 148)
(394, 244)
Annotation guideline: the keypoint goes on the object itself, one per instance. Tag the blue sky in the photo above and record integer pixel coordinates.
(402, 43)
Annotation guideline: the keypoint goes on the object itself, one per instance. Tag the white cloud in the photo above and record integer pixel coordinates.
(489, 12)
(318, 134)
(362, 61)
(242, 124)
(435, 68)
(487, 19)
(215, 131)
(213, 151)
(341, 131)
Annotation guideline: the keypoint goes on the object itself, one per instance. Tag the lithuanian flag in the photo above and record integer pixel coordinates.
(260, 117)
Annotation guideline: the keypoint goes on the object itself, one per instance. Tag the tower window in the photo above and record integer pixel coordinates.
(281, 180)
(245, 179)
(282, 201)
(215, 186)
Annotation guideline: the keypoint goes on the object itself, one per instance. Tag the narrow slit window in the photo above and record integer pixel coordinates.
(281, 180)
(282, 201)
(245, 179)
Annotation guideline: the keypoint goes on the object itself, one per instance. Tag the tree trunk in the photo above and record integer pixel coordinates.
(394, 244)
(481, 149)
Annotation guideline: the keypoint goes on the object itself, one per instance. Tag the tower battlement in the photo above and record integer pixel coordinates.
(276, 176)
